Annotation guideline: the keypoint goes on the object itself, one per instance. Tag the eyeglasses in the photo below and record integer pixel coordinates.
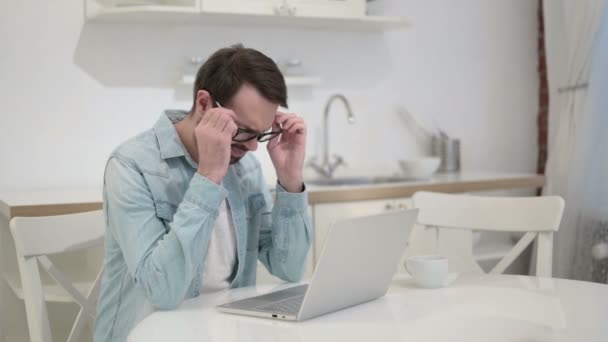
(246, 134)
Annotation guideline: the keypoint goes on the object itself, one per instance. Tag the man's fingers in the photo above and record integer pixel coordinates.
(290, 122)
(229, 113)
(230, 128)
(210, 118)
(282, 117)
(226, 124)
(299, 127)
(222, 121)
(218, 120)
(205, 117)
(214, 117)
(272, 143)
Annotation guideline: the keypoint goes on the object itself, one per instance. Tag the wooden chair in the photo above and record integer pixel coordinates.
(454, 217)
(38, 237)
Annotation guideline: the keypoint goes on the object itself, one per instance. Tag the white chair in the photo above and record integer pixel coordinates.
(35, 239)
(454, 217)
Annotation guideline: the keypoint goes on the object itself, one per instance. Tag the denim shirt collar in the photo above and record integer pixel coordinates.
(169, 143)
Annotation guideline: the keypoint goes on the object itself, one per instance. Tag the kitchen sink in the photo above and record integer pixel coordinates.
(344, 181)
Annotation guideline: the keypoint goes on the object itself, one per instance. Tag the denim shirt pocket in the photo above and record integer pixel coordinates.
(165, 211)
(161, 190)
(256, 202)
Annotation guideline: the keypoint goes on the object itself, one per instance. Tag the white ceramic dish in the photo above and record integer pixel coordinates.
(419, 168)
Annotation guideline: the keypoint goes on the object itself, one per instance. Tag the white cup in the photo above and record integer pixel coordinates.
(428, 271)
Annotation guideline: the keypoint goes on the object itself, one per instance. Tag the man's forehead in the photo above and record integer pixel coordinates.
(254, 117)
(254, 120)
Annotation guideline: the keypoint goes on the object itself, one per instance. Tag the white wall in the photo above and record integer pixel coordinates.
(71, 91)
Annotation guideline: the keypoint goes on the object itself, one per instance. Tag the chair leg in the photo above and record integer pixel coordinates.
(2, 333)
(3, 302)
(87, 304)
(64, 282)
(94, 293)
(35, 306)
(544, 255)
(81, 320)
(85, 311)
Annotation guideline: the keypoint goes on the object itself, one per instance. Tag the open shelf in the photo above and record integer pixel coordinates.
(191, 15)
(295, 81)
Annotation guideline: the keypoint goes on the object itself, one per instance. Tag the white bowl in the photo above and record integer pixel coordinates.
(419, 168)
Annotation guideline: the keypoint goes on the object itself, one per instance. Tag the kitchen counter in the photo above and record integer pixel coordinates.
(46, 202)
(64, 201)
(441, 182)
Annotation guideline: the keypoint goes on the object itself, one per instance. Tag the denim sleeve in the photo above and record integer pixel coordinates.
(162, 263)
(285, 233)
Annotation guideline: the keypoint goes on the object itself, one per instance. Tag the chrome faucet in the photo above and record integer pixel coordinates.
(327, 167)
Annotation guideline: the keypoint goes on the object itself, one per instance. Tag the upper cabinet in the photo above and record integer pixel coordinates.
(308, 14)
(258, 7)
(292, 8)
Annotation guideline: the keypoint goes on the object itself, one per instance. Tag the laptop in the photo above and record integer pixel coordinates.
(357, 263)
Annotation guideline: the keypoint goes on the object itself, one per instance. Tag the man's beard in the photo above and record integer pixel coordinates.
(234, 160)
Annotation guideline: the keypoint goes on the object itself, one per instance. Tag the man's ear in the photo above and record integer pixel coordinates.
(203, 101)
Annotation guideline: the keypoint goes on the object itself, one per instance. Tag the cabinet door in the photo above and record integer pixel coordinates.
(327, 8)
(325, 214)
(304, 8)
(241, 6)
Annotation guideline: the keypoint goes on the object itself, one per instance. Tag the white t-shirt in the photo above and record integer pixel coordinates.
(221, 255)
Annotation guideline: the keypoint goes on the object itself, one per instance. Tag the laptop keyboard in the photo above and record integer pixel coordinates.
(284, 302)
(289, 306)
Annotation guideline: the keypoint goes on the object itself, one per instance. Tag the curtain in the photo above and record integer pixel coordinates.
(578, 151)
(591, 178)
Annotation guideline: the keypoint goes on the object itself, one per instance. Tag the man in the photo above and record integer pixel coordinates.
(187, 209)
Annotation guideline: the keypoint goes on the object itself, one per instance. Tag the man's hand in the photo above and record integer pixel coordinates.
(213, 138)
(287, 151)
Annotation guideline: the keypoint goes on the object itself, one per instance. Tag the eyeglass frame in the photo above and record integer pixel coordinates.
(260, 137)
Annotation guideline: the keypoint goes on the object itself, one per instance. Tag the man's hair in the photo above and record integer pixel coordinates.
(223, 74)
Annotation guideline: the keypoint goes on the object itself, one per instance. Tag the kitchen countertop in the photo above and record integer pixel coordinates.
(64, 201)
(50, 201)
(440, 182)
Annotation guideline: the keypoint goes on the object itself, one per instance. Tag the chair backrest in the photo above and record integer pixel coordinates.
(48, 235)
(37, 237)
(538, 217)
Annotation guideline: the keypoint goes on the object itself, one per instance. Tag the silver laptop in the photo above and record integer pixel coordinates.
(357, 263)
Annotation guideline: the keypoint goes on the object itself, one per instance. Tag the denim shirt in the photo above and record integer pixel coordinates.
(160, 214)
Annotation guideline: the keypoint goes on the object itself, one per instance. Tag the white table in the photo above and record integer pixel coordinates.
(472, 308)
